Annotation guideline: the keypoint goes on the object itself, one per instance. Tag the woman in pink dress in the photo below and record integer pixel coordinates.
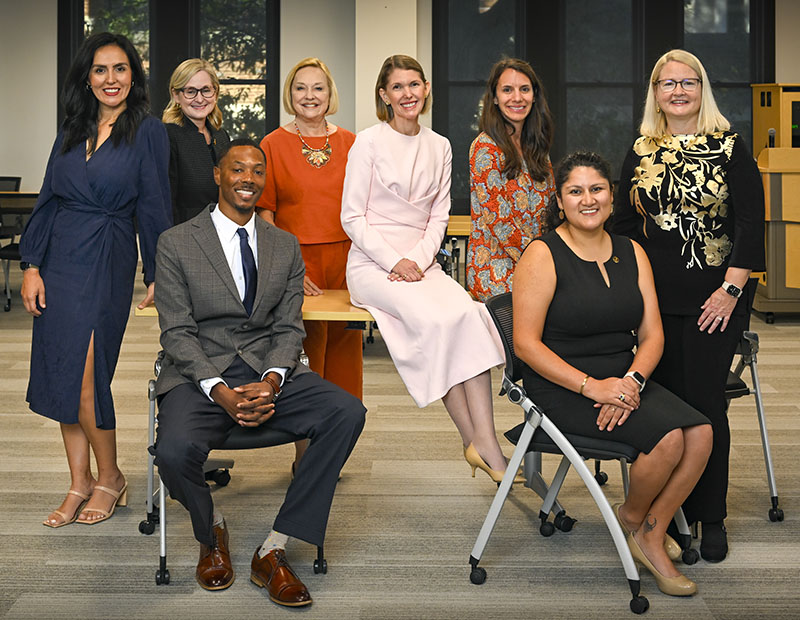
(395, 208)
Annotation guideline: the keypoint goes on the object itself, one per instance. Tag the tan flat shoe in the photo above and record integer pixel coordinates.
(680, 585)
(671, 546)
(120, 498)
(66, 518)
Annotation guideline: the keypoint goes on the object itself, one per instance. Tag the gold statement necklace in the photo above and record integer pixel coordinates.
(316, 157)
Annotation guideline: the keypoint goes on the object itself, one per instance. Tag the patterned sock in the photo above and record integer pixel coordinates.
(275, 540)
(218, 518)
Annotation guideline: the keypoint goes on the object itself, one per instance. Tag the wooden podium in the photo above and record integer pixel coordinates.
(779, 288)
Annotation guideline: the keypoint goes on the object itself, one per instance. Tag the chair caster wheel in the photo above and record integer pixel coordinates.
(147, 527)
(639, 604)
(547, 529)
(601, 477)
(320, 567)
(477, 575)
(775, 514)
(220, 477)
(690, 556)
(162, 577)
(563, 522)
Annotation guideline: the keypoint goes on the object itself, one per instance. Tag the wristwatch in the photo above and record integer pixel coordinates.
(23, 265)
(731, 289)
(638, 377)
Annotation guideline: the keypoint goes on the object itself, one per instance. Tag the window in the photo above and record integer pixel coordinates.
(240, 39)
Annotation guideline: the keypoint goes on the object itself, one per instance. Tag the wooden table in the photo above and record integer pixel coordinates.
(332, 305)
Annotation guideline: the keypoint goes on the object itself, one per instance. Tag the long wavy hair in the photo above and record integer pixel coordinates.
(81, 105)
(709, 118)
(578, 159)
(180, 77)
(384, 111)
(537, 131)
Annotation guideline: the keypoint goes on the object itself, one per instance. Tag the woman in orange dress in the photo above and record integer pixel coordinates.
(511, 177)
(306, 161)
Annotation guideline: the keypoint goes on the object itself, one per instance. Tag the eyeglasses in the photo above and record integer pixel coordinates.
(689, 84)
(190, 93)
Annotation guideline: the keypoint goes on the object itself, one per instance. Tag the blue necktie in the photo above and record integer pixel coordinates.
(249, 267)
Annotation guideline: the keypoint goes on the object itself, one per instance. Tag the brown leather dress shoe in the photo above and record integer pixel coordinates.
(214, 568)
(274, 573)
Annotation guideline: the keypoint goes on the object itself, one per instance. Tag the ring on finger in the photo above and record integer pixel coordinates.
(621, 397)
(718, 318)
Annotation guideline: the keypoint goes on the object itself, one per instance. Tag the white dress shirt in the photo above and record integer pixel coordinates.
(231, 246)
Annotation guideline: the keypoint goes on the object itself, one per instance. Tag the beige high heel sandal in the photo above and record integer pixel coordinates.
(67, 520)
(120, 498)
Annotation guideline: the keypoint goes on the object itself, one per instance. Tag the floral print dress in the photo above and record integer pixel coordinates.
(695, 203)
(506, 216)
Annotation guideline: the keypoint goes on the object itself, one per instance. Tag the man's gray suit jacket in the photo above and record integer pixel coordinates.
(204, 325)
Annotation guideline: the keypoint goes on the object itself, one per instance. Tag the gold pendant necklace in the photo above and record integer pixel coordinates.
(316, 157)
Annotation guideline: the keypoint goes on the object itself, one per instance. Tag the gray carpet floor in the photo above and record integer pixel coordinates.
(404, 520)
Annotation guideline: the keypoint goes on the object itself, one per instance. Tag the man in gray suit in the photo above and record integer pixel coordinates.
(229, 295)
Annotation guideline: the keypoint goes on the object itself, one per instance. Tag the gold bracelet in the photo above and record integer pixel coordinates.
(583, 385)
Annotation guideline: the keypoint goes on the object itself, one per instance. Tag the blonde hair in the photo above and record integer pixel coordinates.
(180, 77)
(398, 61)
(333, 94)
(709, 119)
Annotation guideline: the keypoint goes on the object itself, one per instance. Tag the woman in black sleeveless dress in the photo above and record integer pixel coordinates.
(583, 299)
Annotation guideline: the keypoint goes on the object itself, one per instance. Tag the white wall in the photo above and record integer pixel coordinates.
(325, 29)
(787, 43)
(28, 81)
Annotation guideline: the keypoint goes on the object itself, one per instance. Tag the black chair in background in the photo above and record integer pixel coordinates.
(9, 230)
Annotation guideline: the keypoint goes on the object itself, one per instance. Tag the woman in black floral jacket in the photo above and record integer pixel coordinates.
(691, 195)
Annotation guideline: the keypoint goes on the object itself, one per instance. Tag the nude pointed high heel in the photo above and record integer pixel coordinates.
(476, 462)
(67, 520)
(671, 546)
(120, 499)
(680, 585)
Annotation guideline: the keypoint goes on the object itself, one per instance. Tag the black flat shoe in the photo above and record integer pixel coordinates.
(714, 544)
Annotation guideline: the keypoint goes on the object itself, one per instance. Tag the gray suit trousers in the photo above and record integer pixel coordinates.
(190, 425)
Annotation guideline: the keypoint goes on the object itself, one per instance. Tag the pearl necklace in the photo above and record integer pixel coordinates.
(316, 157)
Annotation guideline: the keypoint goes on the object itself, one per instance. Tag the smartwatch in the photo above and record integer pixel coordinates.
(731, 289)
(638, 377)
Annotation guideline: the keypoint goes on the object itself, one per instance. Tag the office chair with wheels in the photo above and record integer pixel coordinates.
(538, 434)
(217, 470)
(747, 350)
(10, 251)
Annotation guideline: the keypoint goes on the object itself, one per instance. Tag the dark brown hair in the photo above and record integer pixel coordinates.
(537, 130)
(574, 160)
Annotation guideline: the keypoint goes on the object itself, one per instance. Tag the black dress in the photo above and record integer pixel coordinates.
(590, 326)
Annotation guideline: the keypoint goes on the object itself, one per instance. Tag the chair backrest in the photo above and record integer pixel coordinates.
(501, 310)
(10, 184)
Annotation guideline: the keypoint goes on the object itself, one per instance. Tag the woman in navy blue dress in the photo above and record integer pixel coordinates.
(108, 165)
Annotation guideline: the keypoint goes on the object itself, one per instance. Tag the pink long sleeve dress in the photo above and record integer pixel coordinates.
(396, 204)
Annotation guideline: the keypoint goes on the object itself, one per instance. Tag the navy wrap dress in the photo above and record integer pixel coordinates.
(81, 233)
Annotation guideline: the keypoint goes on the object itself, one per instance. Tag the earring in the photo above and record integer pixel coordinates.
(561, 214)
(658, 109)
(88, 86)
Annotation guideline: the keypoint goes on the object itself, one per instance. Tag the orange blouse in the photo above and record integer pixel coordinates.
(307, 201)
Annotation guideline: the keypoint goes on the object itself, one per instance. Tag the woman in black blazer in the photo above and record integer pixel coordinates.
(194, 126)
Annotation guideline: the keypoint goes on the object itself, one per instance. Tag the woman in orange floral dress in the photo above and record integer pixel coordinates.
(511, 177)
